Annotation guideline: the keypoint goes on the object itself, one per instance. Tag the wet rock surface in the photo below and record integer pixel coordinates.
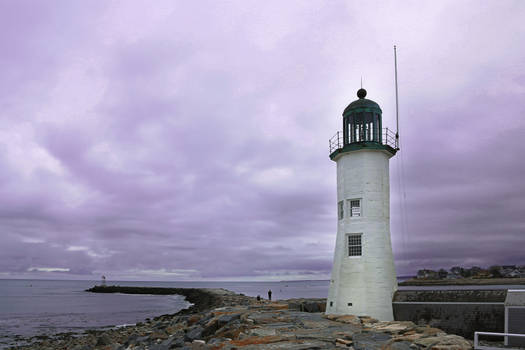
(239, 322)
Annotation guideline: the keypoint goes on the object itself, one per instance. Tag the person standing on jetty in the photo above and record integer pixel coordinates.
(269, 294)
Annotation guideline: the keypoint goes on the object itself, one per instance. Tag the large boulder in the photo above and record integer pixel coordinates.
(225, 319)
(193, 333)
(392, 327)
(400, 345)
(350, 319)
(370, 341)
(444, 342)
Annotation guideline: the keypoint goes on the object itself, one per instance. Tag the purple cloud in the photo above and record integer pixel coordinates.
(189, 141)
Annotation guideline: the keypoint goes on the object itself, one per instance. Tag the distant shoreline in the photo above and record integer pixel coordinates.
(464, 282)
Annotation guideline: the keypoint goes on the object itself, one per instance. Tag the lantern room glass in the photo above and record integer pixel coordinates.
(362, 127)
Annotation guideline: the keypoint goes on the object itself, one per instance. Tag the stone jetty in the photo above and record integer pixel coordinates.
(232, 321)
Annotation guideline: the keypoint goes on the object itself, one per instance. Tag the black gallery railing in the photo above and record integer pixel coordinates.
(388, 137)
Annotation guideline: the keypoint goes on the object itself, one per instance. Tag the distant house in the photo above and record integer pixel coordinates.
(457, 270)
(521, 269)
(453, 276)
(475, 270)
(510, 271)
(427, 274)
(509, 267)
(514, 274)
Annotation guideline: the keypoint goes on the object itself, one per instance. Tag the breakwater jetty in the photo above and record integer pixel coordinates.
(201, 298)
(235, 321)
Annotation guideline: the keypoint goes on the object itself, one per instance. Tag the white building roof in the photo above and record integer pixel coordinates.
(515, 297)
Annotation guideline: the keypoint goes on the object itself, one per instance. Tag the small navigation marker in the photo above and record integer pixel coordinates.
(103, 281)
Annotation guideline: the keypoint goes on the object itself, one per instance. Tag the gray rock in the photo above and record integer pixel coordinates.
(173, 342)
(136, 339)
(225, 319)
(159, 347)
(205, 319)
(214, 341)
(262, 332)
(132, 339)
(193, 333)
(104, 339)
(81, 347)
(402, 345)
(370, 341)
(311, 307)
(210, 329)
(160, 325)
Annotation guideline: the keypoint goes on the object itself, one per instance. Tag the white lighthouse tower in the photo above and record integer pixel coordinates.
(363, 275)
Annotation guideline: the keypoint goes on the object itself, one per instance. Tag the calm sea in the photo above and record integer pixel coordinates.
(35, 307)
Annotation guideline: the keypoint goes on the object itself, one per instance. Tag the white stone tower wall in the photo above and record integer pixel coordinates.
(369, 281)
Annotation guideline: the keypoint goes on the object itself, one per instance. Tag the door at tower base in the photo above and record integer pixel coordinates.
(363, 275)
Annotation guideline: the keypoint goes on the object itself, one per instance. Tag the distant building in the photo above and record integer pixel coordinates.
(427, 274)
(514, 274)
(453, 276)
(510, 271)
(508, 267)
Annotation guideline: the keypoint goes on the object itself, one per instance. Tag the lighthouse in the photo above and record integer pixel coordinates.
(363, 277)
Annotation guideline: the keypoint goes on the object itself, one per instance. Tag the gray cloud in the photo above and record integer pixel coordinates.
(190, 140)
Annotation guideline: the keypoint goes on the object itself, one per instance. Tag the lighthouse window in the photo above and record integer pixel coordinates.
(354, 245)
(340, 210)
(355, 207)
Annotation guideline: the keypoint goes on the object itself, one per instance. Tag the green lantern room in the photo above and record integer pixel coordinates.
(363, 128)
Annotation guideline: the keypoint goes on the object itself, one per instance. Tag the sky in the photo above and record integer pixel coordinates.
(188, 140)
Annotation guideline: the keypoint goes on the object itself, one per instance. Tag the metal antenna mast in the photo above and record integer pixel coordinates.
(397, 100)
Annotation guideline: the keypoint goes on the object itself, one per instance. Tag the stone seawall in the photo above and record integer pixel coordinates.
(463, 282)
(460, 312)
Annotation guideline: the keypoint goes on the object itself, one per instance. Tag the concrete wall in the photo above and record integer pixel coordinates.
(461, 319)
(459, 312)
(364, 285)
(459, 295)
(516, 325)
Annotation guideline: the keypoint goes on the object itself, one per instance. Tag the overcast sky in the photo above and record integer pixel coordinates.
(189, 139)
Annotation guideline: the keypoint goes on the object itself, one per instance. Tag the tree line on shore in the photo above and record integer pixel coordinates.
(495, 271)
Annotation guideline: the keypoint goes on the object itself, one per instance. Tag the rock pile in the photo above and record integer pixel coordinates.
(241, 322)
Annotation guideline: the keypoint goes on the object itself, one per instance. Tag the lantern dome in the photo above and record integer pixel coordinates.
(362, 105)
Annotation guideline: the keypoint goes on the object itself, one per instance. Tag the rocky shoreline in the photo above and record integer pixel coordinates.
(228, 321)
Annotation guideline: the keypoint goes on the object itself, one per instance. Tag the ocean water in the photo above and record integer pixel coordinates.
(37, 307)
